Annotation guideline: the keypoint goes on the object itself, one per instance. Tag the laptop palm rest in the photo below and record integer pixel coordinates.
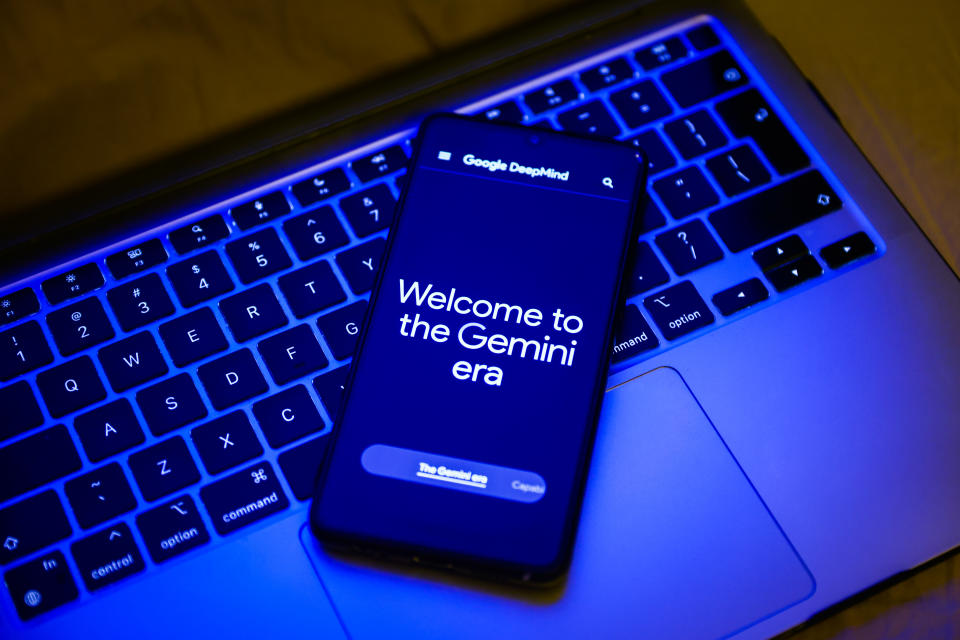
(673, 542)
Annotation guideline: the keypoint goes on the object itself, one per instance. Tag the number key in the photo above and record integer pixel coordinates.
(140, 302)
(315, 232)
(199, 279)
(257, 255)
(370, 210)
(22, 349)
(79, 326)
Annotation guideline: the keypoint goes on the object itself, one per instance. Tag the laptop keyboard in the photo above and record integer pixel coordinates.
(162, 397)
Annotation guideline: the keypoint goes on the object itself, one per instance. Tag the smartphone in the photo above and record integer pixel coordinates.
(467, 420)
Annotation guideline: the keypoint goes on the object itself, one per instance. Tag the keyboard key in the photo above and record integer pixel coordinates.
(232, 379)
(640, 104)
(18, 304)
(632, 335)
(73, 283)
(321, 186)
(794, 273)
(370, 210)
(686, 192)
(172, 528)
(678, 310)
(140, 302)
(20, 409)
(301, 466)
(661, 53)
(748, 115)
(70, 386)
(311, 289)
(108, 430)
(315, 233)
(651, 217)
(287, 416)
(659, 157)
(703, 37)
(132, 361)
(163, 468)
(646, 272)
(360, 264)
(36, 460)
(738, 170)
(591, 118)
(341, 327)
(292, 354)
(193, 337)
(40, 585)
(504, 112)
(252, 312)
(226, 442)
(30, 525)
(170, 404)
(243, 498)
(553, 95)
(269, 206)
(840, 253)
(379, 164)
(689, 247)
(23, 349)
(79, 326)
(797, 201)
(199, 279)
(695, 134)
(607, 74)
(329, 387)
(107, 556)
(199, 234)
(137, 258)
(745, 294)
(704, 78)
(100, 495)
(257, 255)
(780, 252)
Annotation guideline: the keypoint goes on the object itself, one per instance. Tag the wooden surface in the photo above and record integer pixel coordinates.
(87, 89)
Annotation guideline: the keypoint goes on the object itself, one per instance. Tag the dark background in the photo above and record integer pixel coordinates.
(88, 89)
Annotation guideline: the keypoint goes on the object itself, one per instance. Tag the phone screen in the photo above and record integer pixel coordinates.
(472, 401)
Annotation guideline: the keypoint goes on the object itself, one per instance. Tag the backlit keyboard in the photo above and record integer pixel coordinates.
(160, 396)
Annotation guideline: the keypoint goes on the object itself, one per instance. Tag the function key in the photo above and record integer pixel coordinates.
(23, 349)
(199, 234)
(632, 335)
(32, 524)
(243, 498)
(794, 273)
(607, 74)
(163, 468)
(136, 259)
(232, 379)
(226, 442)
(661, 53)
(340, 328)
(321, 186)
(108, 430)
(591, 118)
(100, 495)
(252, 312)
(695, 134)
(132, 361)
(80, 325)
(140, 302)
(379, 164)
(658, 155)
(73, 283)
(172, 528)
(316, 232)
(360, 264)
(267, 207)
(193, 337)
(287, 416)
(678, 310)
(640, 104)
(504, 112)
(748, 115)
(738, 170)
(292, 353)
(686, 192)
(40, 585)
(171, 404)
(704, 78)
(18, 304)
(301, 465)
(70, 386)
(36, 460)
(553, 95)
(745, 294)
(703, 37)
(689, 247)
(369, 211)
(20, 409)
(257, 255)
(780, 252)
(107, 556)
(199, 279)
(847, 250)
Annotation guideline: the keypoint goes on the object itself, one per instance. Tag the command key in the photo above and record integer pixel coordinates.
(244, 498)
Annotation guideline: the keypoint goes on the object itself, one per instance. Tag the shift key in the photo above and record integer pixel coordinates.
(244, 498)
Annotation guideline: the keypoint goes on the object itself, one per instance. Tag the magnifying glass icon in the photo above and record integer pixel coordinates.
(608, 183)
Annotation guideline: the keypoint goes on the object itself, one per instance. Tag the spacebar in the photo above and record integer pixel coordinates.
(774, 211)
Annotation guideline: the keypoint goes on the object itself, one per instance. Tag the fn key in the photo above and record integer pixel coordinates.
(40, 585)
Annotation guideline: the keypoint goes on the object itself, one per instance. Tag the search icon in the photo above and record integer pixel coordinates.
(608, 183)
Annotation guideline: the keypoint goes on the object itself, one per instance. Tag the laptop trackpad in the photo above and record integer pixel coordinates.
(673, 542)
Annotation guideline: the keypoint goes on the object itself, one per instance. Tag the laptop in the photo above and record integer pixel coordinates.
(779, 431)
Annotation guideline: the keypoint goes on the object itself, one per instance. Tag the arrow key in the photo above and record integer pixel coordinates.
(780, 252)
(792, 274)
(737, 298)
(847, 250)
